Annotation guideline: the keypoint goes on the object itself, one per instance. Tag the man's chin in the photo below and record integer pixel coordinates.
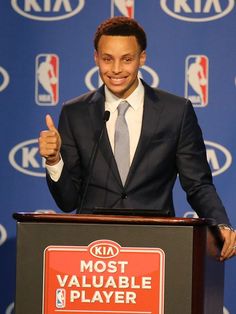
(117, 91)
(121, 90)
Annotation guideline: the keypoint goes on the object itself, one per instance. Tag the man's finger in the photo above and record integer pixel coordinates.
(49, 136)
(50, 124)
(229, 242)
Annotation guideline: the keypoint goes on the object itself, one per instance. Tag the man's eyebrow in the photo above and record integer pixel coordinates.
(129, 54)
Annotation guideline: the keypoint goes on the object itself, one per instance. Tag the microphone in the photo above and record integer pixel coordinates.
(92, 160)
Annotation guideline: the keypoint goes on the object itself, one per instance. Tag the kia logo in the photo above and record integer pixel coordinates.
(47, 10)
(197, 10)
(93, 79)
(225, 311)
(104, 249)
(190, 214)
(219, 158)
(3, 234)
(149, 75)
(4, 81)
(10, 309)
(24, 157)
(45, 211)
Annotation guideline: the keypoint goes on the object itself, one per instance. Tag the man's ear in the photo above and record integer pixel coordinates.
(142, 58)
(95, 55)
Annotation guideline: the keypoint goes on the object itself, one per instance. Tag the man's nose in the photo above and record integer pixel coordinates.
(116, 67)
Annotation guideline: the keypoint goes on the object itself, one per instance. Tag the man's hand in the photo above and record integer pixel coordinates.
(229, 247)
(50, 143)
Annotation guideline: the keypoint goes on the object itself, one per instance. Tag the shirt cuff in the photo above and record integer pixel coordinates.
(226, 227)
(55, 170)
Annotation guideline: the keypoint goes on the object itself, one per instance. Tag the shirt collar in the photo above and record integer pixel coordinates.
(135, 100)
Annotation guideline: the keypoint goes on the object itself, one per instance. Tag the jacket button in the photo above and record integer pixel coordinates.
(124, 196)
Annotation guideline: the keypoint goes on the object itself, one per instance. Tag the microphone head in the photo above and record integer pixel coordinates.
(106, 116)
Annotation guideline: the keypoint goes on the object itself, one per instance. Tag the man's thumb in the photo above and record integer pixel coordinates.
(50, 124)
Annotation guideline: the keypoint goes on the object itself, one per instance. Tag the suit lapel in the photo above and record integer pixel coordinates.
(151, 115)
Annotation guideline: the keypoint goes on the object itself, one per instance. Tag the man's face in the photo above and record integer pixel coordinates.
(119, 59)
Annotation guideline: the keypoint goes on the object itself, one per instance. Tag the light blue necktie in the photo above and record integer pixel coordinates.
(122, 147)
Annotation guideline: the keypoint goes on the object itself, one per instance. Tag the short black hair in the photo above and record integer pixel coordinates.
(121, 26)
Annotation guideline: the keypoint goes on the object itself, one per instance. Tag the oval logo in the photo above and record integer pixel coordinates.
(190, 214)
(219, 158)
(93, 80)
(4, 79)
(10, 308)
(104, 249)
(3, 234)
(24, 157)
(198, 10)
(47, 10)
(149, 75)
(225, 311)
(45, 211)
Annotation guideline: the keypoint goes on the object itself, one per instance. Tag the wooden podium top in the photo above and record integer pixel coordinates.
(114, 219)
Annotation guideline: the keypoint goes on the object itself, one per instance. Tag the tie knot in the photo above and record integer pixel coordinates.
(122, 108)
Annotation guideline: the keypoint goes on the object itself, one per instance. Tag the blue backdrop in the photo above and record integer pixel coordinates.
(46, 57)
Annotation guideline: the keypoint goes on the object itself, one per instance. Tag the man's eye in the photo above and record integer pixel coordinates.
(127, 60)
(107, 59)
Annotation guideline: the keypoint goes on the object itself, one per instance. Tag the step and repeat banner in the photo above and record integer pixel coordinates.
(46, 57)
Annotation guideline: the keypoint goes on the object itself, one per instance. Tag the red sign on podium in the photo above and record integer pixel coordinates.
(103, 277)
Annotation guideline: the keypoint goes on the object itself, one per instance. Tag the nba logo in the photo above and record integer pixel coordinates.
(196, 80)
(124, 7)
(47, 80)
(60, 298)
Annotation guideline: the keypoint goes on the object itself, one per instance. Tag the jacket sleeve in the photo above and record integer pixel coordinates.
(194, 171)
(66, 191)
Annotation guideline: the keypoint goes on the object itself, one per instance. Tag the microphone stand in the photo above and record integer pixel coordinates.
(92, 160)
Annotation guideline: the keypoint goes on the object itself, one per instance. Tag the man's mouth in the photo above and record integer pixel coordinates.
(117, 80)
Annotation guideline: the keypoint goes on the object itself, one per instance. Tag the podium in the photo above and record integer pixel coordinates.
(189, 280)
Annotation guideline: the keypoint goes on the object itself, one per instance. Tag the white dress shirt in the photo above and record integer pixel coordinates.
(133, 116)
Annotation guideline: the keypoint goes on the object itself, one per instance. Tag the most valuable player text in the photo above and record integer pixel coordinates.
(103, 282)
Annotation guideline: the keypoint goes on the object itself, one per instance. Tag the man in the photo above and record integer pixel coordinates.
(160, 137)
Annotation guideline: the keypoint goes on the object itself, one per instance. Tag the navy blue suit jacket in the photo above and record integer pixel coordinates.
(170, 143)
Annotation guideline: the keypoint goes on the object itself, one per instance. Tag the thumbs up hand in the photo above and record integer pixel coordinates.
(50, 142)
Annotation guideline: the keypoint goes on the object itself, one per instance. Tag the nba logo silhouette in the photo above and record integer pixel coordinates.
(60, 298)
(47, 80)
(196, 80)
(122, 7)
